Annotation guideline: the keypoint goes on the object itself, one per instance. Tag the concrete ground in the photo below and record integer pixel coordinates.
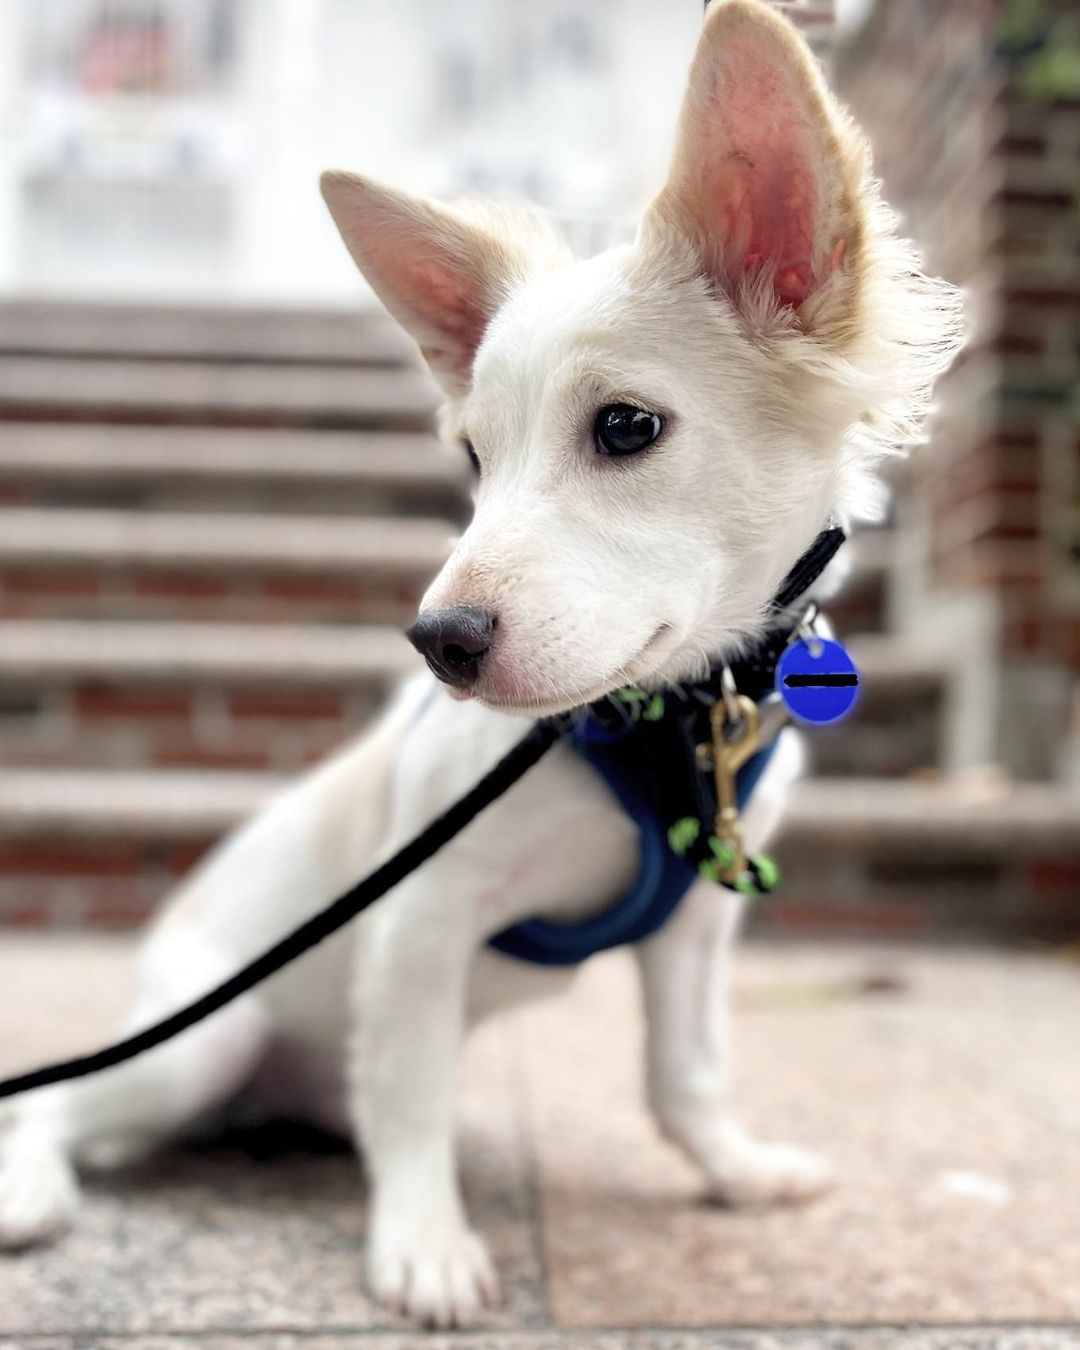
(944, 1084)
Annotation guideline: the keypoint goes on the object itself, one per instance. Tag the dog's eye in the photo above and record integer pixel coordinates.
(621, 429)
(474, 458)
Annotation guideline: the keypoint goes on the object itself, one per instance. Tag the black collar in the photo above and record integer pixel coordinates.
(808, 569)
(754, 670)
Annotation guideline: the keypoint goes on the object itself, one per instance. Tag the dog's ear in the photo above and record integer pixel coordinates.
(441, 277)
(766, 177)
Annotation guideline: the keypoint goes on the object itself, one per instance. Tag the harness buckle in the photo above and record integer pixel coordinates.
(734, 740)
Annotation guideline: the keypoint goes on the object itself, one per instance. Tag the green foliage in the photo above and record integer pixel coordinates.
(1041, 42)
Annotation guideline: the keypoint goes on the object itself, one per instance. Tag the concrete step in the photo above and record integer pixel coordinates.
(278, 654)
(894, 668)
(130, 389)
(90, 804)
(245, 333)
(942, 817)
(161, 696)
(304, 543)
(231, 566)
(222, 468)
(913, 857)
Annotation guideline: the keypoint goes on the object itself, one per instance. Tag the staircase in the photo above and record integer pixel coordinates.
(213, 526)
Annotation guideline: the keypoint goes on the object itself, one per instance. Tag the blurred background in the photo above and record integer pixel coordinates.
(220, 498)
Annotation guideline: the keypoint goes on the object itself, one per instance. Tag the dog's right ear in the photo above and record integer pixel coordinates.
(441, 277)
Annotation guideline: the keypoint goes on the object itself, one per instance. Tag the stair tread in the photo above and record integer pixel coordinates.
(51, 647)
(181, 803)
(308, 653)
(209, 332)
(894, 664)
(263, 390)
(987, 818)
(61, 450)
(196, 539)
(334, 542)
(86, 802)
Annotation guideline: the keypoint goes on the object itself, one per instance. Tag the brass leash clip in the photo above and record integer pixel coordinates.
(735, 734)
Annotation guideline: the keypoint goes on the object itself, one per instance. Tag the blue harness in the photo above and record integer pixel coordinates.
(647, 757)
(649, 762)
(662, 878)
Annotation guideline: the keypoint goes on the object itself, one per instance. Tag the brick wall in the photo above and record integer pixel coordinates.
(983, 163)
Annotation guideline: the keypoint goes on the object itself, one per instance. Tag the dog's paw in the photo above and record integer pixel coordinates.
(38, 1195)
(761, 1174)
(443, 1282)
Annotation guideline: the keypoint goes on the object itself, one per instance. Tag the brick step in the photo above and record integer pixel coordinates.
(128, 695)
(219, 566)
(186, 694)
(898, 724)
(859, 855)
(219, 468)
(259, 394)
(929, 859)
(244, 333)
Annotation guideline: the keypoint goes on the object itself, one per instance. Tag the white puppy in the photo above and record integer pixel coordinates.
(770, 337)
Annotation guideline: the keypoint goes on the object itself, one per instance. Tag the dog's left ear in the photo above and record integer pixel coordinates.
(438, 274)
(767, 173)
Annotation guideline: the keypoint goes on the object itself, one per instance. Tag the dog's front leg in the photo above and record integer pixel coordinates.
(415, 953)
(684, 972)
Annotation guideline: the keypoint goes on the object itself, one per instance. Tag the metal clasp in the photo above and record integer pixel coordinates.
(734, 740)
(808, 632)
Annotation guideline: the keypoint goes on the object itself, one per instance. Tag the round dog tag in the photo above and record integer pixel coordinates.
(817, 681)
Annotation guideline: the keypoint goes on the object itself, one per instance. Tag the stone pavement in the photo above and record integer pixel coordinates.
(944, 1084)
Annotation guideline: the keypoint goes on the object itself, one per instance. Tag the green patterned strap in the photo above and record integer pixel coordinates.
(642, 705)
(761, 876)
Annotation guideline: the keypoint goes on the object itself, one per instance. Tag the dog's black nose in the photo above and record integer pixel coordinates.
(453, 642)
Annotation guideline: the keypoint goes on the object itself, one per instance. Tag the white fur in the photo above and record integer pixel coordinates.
(600, 573)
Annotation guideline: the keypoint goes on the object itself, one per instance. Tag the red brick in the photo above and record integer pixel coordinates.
(27, 581)
(1058, 297)
(1054, 199)
(1019, 344)
(910, 916)
(68, 859)
(181, 858)
(182, 585)
(116, 912)
(987, 566)
(105, 701)
(336, 590)
(283, 704)
(198, 757)
(1056, 875)
(1011, 532)
(24, 916)
(1024, 145)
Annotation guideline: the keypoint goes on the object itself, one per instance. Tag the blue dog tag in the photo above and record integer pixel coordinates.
(819, 682)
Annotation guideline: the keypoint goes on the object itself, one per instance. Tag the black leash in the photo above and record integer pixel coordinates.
(756, 668)
(504, 775)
